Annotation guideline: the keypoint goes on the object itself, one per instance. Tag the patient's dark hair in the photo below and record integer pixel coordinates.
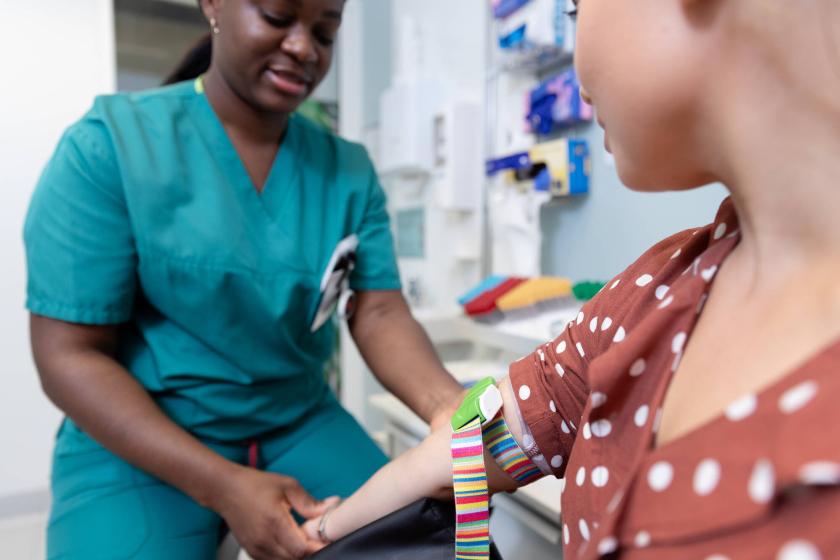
(195, 62)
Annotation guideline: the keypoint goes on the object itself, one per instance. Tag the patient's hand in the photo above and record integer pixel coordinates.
(311, 530)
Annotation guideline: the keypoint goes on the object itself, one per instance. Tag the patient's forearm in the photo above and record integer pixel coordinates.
(423, 471)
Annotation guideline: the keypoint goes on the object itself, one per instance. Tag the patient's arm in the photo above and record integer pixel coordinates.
(424, 471)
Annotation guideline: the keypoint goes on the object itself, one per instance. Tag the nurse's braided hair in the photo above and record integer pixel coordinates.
(195, 63)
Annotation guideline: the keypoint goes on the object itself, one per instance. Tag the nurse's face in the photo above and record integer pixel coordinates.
(646, 65)
(274, 53)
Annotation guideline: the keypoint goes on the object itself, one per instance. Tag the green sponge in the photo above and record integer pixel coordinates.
(584, 291)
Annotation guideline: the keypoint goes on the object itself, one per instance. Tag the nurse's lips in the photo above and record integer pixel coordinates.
(289, 82)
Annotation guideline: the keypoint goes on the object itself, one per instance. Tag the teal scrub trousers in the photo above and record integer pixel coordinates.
(105, 508)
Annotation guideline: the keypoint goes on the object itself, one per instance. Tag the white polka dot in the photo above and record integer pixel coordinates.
(678, 343)
(557, 461)
(593, 324)
(797, 397)
(677, 361)
(660, 476)
(559, 369)
(762, 482)
(676, 254)
(524, 392)
(584, 529)
(799, 550)
(580, 478)
(561, 347)
(598, 399)
(641, 416)
(638, 367)
(564, 427)
(820, 472)
(572, 424)
(644, 280)
(701, 303)
(668, 301)
(717, 557)
(607, 546)
(579, 347)
(706, 477)
(742, 408)
(661, 291)
(695, 266)
(552, 406)
(606, 323)
(615, 284)
(580, 318)
(615, 502)
(542, 355)
(565, 533)
(720, 231)
(601, 428)
(642, 539)
(600, 476)
(657, 420)
(587, 431)
(619, 334)
(709, 273)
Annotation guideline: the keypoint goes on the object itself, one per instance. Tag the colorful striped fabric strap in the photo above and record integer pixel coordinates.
(469, 477)
(508, 454)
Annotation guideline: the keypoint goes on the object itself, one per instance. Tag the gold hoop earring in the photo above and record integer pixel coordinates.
(214, 26)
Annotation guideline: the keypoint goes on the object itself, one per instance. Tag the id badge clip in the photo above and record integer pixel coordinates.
(335, 285)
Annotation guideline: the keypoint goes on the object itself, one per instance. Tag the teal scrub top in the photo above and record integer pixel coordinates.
(145, 216)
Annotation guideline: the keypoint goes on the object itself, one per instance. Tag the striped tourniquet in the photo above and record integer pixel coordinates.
(469, 477)
(508, 454)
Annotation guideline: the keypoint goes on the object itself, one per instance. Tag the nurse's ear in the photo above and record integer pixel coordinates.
(211, 10)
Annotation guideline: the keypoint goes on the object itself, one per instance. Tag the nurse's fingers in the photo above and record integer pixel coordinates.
(292, 542)
(303, 502)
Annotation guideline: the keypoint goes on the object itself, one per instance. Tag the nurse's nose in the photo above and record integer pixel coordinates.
(585, 97)
(299, 44)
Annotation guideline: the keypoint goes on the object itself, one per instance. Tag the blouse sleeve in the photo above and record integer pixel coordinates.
(551, 389)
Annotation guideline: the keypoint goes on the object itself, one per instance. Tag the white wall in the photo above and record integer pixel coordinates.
(56, 55)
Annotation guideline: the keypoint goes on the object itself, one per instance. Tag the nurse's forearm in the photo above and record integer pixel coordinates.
(400, 354)
(104, 399)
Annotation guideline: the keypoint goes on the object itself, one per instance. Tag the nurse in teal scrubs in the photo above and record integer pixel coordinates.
(175, 244)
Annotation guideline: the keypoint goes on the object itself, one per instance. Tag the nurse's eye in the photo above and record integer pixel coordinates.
(275, 20)
(325, 38)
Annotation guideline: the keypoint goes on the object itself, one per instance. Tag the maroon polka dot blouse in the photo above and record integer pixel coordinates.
(762, 480)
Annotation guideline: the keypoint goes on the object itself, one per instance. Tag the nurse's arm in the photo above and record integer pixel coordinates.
(401, 356)
(79, 374)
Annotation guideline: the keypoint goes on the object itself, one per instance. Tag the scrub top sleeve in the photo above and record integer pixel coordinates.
(80, 250)
(376, 262)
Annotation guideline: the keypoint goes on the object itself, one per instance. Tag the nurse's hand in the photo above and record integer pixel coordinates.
(257, 507)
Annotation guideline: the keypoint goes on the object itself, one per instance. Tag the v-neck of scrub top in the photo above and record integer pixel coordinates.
(282, 175)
